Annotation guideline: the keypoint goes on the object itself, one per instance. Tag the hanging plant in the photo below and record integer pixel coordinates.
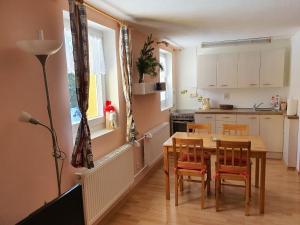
(147, 64)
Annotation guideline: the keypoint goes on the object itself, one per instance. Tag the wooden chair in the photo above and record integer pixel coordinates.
(189, 161)
(235, 169)
(198, 128)
(235, 129)
(206, 129)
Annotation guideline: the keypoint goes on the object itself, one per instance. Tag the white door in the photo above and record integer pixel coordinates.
(271, 131)
(207, 71)
(227, 70)
(272, 68)
(252, 121)
(248, 69)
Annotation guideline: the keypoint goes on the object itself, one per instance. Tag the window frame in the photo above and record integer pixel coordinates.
(168, 103)
(95, 123)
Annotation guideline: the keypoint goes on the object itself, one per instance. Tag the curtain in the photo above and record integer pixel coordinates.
(126, 69)
(82, 154)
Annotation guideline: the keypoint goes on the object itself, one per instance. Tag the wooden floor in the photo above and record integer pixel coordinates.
(147, 205)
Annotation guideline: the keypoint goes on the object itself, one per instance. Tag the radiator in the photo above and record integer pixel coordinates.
(153, 146)
(106, 182)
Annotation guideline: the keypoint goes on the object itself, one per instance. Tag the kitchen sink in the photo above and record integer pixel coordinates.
(264, 109)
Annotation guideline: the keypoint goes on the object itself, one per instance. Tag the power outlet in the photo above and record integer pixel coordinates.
(226, 96)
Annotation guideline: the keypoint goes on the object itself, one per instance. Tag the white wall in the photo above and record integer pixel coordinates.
(294, 91)
(186, 79)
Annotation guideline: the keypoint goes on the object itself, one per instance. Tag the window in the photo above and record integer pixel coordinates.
(99, 79)
(166, 97)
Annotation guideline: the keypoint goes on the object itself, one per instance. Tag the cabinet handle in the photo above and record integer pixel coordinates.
(252, 84)
(252, 118)
(208, 117)
(211, 85)
(226, 117)
(267, 118)
(266, 84)
(224, 85)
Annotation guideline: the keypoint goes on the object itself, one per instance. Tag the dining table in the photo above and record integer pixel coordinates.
(258, 153)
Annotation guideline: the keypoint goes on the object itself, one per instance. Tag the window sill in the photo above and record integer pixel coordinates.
(166, 108)
(102, 132)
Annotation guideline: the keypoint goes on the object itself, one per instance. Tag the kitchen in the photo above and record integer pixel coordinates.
(251, 81)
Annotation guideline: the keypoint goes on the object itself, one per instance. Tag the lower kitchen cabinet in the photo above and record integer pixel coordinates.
(271, 131)
(252, 121)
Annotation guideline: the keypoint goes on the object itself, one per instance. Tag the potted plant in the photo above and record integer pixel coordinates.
(147, 64)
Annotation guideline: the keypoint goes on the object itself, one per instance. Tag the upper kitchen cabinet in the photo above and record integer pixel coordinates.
(227, 70)
(207, 71)
(248, 69)
(272, 68)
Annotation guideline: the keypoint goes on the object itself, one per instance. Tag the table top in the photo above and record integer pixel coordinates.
(257, 144)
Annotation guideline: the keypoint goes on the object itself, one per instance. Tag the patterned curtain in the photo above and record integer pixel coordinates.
(126, 69)
(82, 154)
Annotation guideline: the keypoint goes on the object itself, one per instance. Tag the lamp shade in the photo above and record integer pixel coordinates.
(40, 47)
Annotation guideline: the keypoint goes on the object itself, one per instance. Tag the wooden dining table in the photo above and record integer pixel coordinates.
(258, 152)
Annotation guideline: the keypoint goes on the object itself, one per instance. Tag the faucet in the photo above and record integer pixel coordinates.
(257, 105)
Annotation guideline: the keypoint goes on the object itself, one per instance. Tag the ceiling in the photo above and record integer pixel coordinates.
(190, 22)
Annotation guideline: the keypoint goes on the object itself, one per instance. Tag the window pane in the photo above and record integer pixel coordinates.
(97, 70)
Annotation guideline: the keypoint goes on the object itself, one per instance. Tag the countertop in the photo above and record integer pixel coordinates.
(239, 111)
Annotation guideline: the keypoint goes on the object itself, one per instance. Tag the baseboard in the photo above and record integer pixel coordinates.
(138, 180)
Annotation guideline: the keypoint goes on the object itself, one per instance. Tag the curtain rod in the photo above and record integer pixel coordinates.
(102, 13)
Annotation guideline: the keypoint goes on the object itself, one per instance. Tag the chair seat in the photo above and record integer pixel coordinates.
(235, 170)
(191, 166)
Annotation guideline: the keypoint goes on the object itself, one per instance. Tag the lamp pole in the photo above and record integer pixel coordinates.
(56, 155)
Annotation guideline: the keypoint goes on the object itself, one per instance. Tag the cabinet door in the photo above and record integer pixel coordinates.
(227, 70)
(252, 121)
(207, 119)
(271, 131)
(248, 69)
(207, 71)
(272, 68)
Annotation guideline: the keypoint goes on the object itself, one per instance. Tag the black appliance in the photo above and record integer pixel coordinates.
(179, 120)
(64, 210)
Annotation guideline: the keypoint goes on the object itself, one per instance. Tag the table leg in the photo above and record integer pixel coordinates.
(167, 174)
(262, 184)
(256, 172)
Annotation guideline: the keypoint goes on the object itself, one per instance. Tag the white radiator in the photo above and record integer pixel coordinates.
(106, 182)
(153, 146)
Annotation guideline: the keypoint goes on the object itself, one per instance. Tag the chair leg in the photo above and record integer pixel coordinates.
(181, 188)
(217, 184)
(247, 202)
(202, 191)
(176, 189)
(250, 181)
(208, 177)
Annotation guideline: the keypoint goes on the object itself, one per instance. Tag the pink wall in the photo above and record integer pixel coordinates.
(27, 167)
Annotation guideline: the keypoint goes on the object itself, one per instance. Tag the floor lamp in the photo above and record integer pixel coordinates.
(42, 49)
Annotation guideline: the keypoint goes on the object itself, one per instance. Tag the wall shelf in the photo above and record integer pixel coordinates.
(147, 88)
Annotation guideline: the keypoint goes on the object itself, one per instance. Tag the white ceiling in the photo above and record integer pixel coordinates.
(190, 22)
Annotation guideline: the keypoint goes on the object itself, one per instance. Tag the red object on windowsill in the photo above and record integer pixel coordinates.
(108, 107)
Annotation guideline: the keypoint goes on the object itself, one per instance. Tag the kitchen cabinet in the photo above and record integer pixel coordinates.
(252, 121)
(272, 68)
(271, 131)
(227, 70)
(291, 127)
(207, 119)
(207, 71)
(248, 69)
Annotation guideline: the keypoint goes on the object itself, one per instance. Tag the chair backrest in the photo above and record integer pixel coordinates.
(198, 128)
(233, 154)
(235, 129)
(188, 151)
